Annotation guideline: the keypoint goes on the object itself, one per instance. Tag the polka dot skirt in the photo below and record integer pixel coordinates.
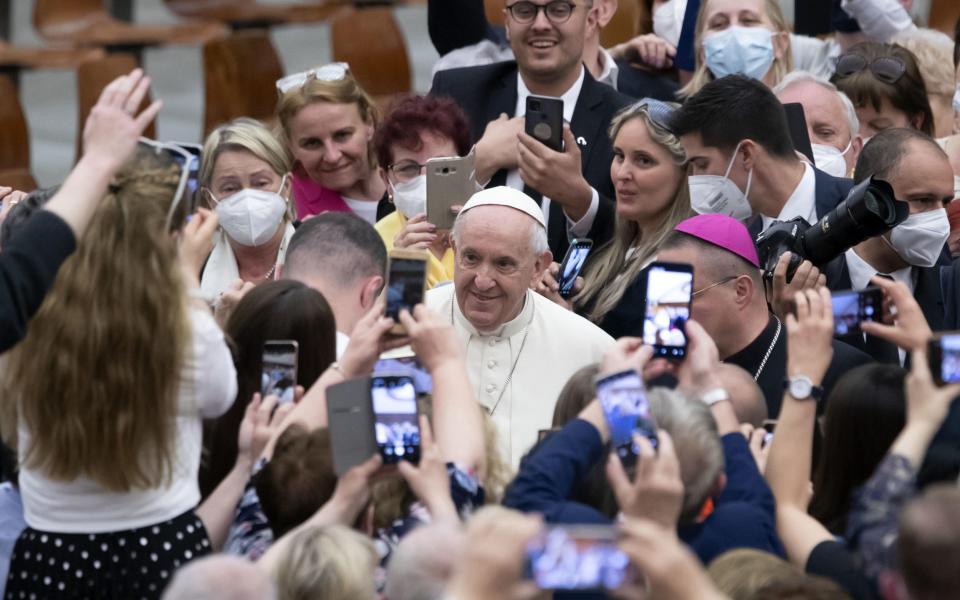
(135, 563)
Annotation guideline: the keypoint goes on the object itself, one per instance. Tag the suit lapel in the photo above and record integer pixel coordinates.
(587, 118)
(502, 98)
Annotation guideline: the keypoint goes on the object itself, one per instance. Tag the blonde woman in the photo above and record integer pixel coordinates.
(104, 398)
(245, 177)
(650, 177)
(326, 121)
(749, 37)
(330, 561)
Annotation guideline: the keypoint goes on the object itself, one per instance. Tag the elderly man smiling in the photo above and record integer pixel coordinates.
(520, 347)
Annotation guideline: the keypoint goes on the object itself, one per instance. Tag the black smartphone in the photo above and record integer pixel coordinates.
(943, 354)
(852, 307)
(576, 557)
(279, 372)
(572, 265)
(396, 428)
(668, 293)
(797, 123)
(350, 421)
(623, 398)
(544, 121)
(406, 284)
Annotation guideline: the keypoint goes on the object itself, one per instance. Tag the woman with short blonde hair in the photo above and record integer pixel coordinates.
(327, 562)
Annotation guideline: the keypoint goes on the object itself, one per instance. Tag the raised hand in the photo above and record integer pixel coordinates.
(113, 127)
(432, 337)
(429, 480)
(656, 492)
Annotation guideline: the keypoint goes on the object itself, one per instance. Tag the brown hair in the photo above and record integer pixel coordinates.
(96, 392)
(929, 540)
(908, 94)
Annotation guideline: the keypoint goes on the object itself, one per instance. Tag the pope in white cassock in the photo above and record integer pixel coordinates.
(520, 347)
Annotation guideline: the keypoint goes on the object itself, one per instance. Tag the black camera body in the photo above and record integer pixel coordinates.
(869, 209)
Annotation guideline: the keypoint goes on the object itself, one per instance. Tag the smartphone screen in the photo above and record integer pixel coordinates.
(668, 308)
(395, 418)
(853, 307)
(624, 401)
(410, 366)
(944, 357)
(572, 265)
(577, 557)
(279, 374)
(405, 285)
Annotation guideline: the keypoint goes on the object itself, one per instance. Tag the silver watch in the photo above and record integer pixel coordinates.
(801, 387)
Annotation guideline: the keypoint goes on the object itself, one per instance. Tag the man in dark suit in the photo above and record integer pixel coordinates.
(913, 252)
(574, 185)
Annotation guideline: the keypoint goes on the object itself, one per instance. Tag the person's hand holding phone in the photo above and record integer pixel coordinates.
(196, 243)
(810, 335)
(261, 420)
(927, 404)
(656, 491)
(350, 496)
(432, 338)
(629, 353)
(368, 341)
(903, 323)
(229, 299)
(556, 175)
(806, 277)
(416, 233)
(429, 479)
(549, 287)
(698, 373)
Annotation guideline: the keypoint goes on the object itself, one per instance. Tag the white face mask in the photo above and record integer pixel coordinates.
(956, 99)
(668, 20)
(919, 240)
(716, 194)
(956, 186)
(830, 160)
(744, 50)
(410, 197)
(251, 217)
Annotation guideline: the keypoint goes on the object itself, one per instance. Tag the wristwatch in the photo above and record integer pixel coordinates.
(801, 388)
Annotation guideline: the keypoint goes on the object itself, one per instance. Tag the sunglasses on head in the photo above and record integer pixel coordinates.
(332, 72)
(187, 157)
(888, 69)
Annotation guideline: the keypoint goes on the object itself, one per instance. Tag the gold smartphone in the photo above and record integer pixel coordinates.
(406, 284)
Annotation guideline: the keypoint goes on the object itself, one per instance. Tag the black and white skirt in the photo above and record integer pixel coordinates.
(135, 563)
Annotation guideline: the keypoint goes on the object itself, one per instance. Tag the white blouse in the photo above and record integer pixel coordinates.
(207, 389)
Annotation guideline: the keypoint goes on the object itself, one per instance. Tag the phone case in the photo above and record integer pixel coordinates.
(450, 181)
(350, 422)
(566, 285)
(419, 255)
(544, 121)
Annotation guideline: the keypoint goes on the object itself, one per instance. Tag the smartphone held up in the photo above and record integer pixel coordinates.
(279, 373)
(406, 284)
(668, 295)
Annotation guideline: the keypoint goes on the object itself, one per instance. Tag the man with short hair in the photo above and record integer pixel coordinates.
(520, 347)
(745, 395)
(832, 122)
(914, 252)
(728, 301)
(343, 257)
(734, 128)
(572, 187)
(928, 546)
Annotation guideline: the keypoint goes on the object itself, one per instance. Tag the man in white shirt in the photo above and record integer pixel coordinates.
(521, 348)
(572, 187)
(914, 251)
(343, 257)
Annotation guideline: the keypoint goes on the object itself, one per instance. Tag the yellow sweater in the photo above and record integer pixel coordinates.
(438, 271)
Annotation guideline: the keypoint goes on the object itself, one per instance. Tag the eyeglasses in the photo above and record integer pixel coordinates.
(713, 285)
(888, 69)
(187, 157)
(405, 170)
(558, 11)
(332, 72)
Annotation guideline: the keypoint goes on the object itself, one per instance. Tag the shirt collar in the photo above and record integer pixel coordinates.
(508, 329)
(569, 97)
(861, 272)
(801, 203)
(611, 71)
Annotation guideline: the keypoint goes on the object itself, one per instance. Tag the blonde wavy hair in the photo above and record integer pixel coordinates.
(341, 91)
(609, 274)
(327, 562)
(702, 75)
(90, 382)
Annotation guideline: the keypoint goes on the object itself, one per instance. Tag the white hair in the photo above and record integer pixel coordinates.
(538, 235)
(804, 76)
(220, 576)
(423, 563)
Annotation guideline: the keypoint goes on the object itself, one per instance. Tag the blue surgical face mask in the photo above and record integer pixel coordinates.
(743, 50)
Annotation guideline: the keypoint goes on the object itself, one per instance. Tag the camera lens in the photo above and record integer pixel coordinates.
(535, 105)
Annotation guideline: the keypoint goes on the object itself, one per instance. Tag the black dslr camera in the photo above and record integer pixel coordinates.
(868, 210)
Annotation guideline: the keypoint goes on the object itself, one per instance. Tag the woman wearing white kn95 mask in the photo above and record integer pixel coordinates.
(244, 176)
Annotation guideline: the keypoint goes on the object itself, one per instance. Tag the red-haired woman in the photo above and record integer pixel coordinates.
(416, 129)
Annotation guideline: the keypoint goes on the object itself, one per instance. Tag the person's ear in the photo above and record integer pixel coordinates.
(781, 44)
(605, 11)
(370, 292)
(744, 289)
(917, 121)
(386, 182)
(748, 153)
(540, 264)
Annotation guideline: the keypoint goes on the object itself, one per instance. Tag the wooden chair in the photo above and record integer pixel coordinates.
(248, 13)
(944, 15)
(623, 26)
(239, 76)
(87, 23)
(92, 77)
(15, 141)
(370, 41)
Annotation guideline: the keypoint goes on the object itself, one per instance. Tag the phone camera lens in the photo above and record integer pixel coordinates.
(535, 105)
(446, 170)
